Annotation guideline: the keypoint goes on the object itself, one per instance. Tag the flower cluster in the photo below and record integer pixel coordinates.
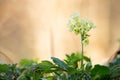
(80, 26)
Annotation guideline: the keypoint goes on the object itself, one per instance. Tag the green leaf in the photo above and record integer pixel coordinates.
(4, 67)
(47, 67)
(87, 59)
(99, 72)
(60, 63)
(47, 63)
(115, 71)
(73, 59)
(27, 63)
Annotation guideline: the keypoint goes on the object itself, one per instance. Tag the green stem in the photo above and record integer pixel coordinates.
(82, 57)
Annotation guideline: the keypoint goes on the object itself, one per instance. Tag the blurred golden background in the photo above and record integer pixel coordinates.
(38, 29)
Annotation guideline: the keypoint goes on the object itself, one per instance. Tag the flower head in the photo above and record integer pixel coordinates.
(80, 26)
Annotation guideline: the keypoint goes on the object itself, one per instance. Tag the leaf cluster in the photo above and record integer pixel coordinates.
(67, 69)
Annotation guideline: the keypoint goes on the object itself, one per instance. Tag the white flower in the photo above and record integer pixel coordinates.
(80, 26)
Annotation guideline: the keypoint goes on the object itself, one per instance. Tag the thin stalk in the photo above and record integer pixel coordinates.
(82, 57)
